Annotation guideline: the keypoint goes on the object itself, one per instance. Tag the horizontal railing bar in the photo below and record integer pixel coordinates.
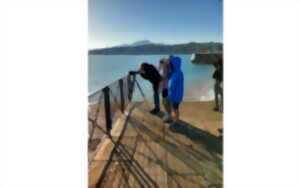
(94, 92)
(98, 90)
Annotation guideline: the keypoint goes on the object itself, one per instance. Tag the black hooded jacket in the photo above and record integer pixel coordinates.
(218, 74)
(151, 74)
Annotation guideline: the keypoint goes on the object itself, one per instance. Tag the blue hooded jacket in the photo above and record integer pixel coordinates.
(175, 91)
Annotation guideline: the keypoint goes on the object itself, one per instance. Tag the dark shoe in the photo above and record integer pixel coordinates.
(221, 133)
(154, 111)
(216, 109)
(220, 130)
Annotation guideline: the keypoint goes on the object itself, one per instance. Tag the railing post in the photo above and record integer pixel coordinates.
(129, 87)
(122, 95)
(107, 109)
(133, 83)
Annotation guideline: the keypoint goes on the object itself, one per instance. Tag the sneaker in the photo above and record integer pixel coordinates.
(167, 119)
(154, 111)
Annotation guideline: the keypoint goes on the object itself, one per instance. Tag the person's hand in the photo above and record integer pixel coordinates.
(166, 60)
(131, 72)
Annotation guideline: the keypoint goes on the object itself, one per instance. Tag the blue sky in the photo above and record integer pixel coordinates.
(115, 22)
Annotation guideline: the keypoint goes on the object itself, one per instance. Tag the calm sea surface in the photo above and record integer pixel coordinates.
(105, 69)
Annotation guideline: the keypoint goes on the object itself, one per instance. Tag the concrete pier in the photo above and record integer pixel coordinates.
(145, 152)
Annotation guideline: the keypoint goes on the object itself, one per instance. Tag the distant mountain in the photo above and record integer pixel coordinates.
(147, 47)
(141, 43)
(138, 43)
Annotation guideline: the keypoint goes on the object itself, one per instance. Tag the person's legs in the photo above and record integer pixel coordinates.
(168, 117)
(175, 107)
(176, 119)
(166, 102)
(216, 97)
(222, 99)
(175, 125)
(156, 99)
(167, 106)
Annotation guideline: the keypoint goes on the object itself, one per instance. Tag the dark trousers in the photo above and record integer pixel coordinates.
(218, 91)
(166, 102)
(155, 87)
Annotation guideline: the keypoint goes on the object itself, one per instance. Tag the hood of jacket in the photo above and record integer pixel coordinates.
(176, 85)
(176, 63)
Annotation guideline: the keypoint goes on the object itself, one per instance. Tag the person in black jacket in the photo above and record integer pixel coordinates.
(150, 73)
(218, 89)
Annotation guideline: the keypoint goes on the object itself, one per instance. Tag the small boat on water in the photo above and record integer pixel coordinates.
(205, 57)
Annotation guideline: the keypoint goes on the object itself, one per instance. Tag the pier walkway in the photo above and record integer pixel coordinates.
(142, 151)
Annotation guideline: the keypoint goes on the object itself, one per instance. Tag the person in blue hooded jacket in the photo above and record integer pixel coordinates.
(175, 91)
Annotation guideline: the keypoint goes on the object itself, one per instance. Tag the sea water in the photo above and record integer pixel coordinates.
(106, 69)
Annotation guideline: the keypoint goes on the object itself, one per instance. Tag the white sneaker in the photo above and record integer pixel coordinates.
(167, 119)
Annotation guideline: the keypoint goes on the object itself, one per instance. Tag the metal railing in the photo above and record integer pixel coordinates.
(105, 107)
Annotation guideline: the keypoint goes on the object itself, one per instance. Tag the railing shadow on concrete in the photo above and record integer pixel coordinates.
(188, 156)
(104, 107)
(127, 163)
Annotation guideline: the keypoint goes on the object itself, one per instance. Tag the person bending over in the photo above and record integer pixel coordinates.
(150, 73)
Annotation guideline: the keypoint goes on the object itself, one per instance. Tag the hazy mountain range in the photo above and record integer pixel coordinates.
(138, 43)
(148, 47)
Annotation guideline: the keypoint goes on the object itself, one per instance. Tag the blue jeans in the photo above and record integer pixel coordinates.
(156, 100)
(155, 87)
